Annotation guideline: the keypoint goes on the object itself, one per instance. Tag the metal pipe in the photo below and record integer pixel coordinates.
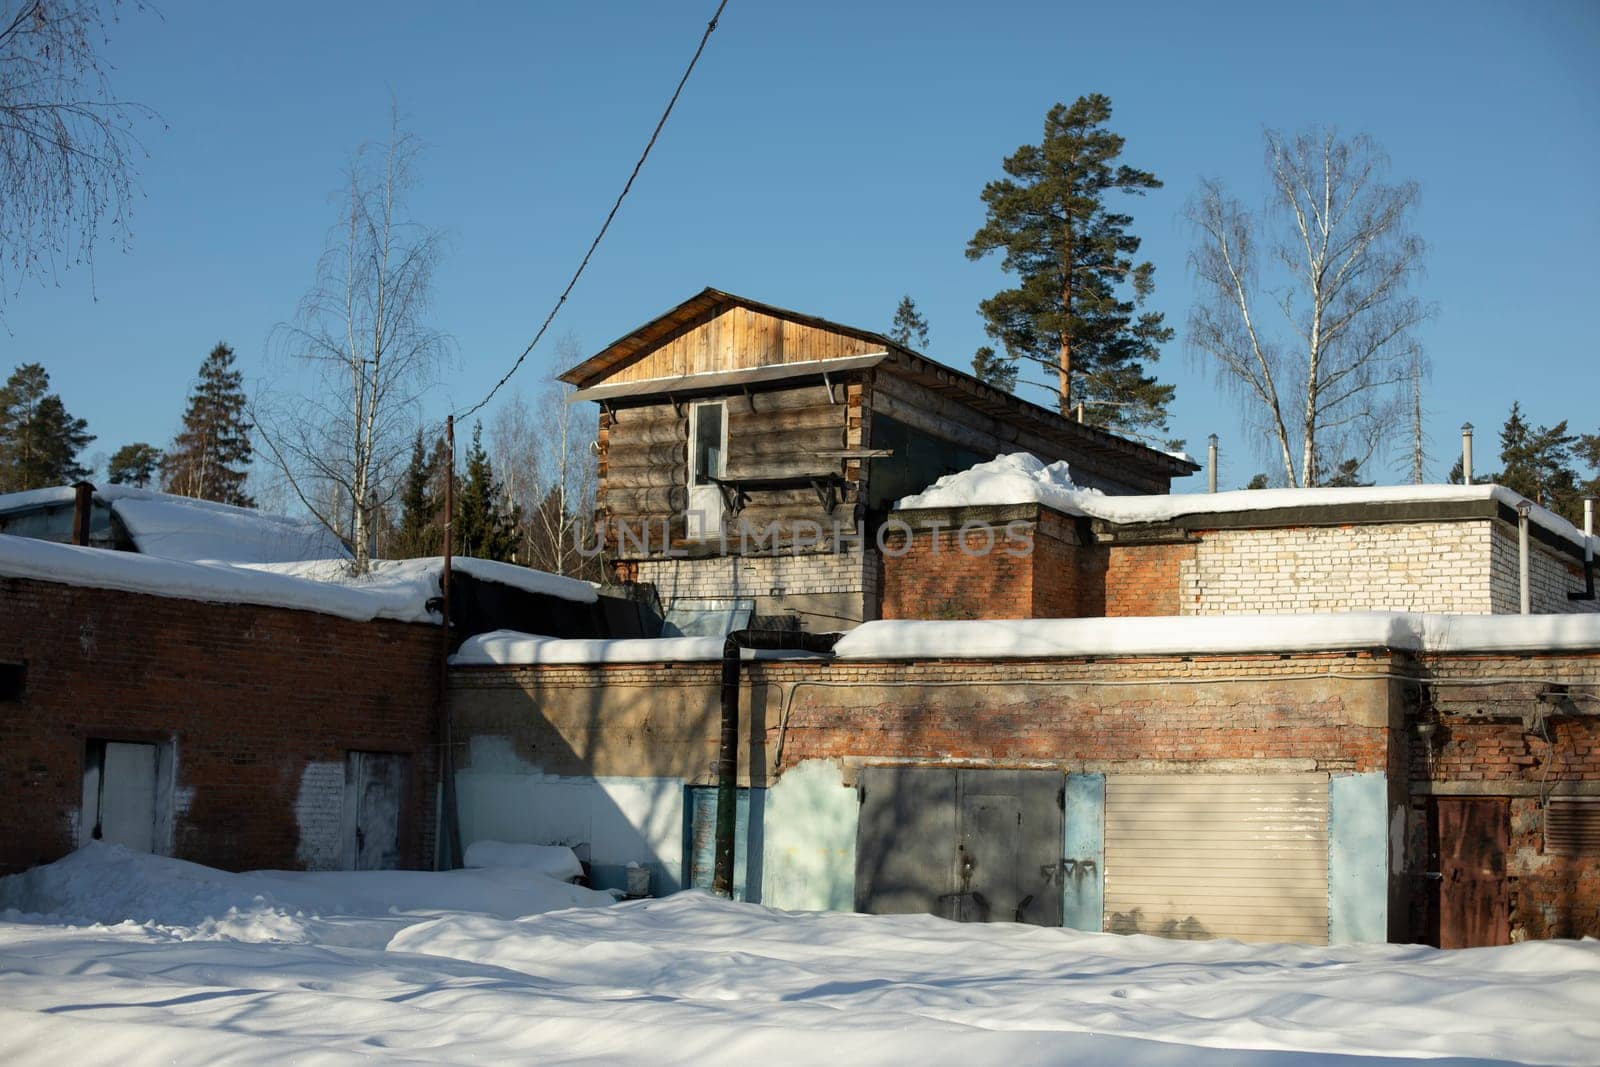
(728, 743)
(1211, 464)
(1588, 552)
(82, 506)
(1466, 453)
(449, 815)
(1526, 598)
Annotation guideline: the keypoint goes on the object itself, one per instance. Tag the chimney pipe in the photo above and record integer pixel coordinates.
(82, 505)
(1588, 524)
(1525, 597)
(1211, 464)
(1466, 453)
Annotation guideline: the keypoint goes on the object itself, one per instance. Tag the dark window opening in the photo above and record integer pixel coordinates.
(12, 678)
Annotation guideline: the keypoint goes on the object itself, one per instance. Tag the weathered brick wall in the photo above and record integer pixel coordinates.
(1094, 714)
(1521, 727)
(250, 699)
(1027, 564)
(662, 719)
(1146, 579)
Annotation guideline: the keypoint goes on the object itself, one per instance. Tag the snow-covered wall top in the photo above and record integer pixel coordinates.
(1022, 478)
(180, 527)
(222, 583)
(1045, 638)
(395, 589)
(1218, 635)
(508, 648)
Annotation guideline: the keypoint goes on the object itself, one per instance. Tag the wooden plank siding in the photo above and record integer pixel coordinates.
(736, 338)
(772, 433)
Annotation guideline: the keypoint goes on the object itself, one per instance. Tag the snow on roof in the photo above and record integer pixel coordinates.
(1022, 478)
(1217, 634)
(180, 527)
(508, 648)
(100, 568)
(395, 589)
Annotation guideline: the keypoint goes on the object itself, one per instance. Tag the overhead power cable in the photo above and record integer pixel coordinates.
(612, 214)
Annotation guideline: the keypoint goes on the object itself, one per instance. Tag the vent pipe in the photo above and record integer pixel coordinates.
(1526, 599)
(1466, 453)
(82, 506)
(1211, 464)
(1588, 552)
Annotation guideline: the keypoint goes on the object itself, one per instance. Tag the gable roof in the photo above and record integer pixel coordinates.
(642, 340)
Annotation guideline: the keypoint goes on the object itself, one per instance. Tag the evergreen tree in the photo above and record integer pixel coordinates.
(211, 455)
(1259, 481)
(39, 441)
(420, 503)
(1072, 256)
(134, 464)
(482, 528)
(1000, 373)
(1347, 476)
(909, 325)
(1537, 462)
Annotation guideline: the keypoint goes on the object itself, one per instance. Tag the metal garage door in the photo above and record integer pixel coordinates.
(1195, 856)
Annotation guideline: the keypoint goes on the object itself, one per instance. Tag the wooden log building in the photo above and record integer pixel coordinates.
(750, 454)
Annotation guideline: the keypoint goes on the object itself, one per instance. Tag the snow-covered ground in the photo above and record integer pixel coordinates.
(506, 964)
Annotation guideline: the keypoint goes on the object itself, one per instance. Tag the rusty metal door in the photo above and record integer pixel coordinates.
(1474, 902)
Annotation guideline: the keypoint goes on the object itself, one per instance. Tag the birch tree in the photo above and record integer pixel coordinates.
(1306, 308)
(68, 145)
(363, 335)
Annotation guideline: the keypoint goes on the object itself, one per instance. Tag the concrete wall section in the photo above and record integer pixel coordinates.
(829, 591)
(1084, 848)
(1358, 858)
(809, 840)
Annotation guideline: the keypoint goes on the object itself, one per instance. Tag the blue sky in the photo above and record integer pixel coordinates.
(827, 157)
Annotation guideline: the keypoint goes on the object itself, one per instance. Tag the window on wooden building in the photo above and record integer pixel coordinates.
(708, 451)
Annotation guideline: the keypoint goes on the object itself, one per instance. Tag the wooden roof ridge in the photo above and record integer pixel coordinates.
(710, 301)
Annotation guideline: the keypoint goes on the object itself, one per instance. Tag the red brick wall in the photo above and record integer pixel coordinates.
(948, 575)
(1143, 579)
(1491, 734)
(247, 696)
(1088, 711)
(945, 575)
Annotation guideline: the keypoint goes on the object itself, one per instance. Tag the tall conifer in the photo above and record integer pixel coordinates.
(210, 458)
(39, 441)
(1072, 256)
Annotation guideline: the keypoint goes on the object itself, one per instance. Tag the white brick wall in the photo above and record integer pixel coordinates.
(852, 575)
(319, 812)
(1420, 566)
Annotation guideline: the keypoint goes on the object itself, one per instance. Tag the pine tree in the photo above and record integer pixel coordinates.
(134, 464)
(211, 455)
(994, 371)
(909, 325)
(481, 528)
(1347, 476)
(420, 503)
(39, 441)
(1072, 256)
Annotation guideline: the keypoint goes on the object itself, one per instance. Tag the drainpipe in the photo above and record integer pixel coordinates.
(1211, 464)
(1466, 453)
(1588, 552)
(728, 748)
(82, 505)
(1523, 507)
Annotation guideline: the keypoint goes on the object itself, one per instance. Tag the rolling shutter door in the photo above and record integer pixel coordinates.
(1197, 856)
